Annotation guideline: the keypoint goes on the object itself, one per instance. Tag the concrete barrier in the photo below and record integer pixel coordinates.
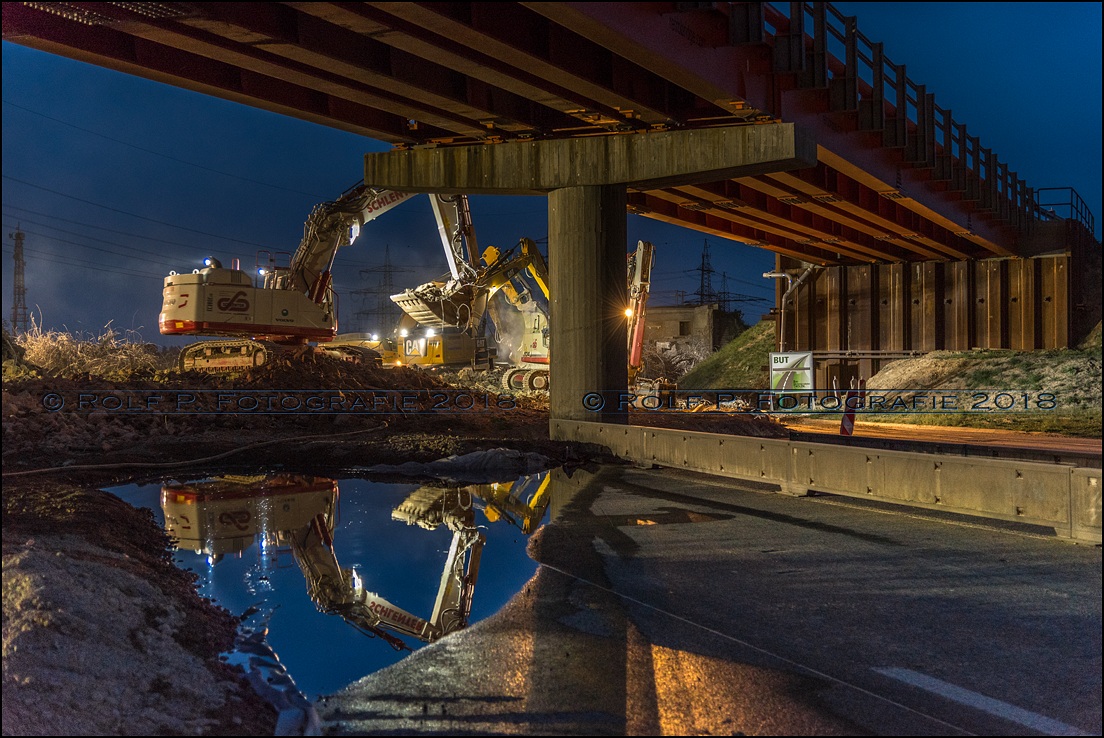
(1085, 504)
(1060, 496)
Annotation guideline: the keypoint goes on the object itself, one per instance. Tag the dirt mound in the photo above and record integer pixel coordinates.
(731, 423)
(102, 633)
(1092, 341)
(1043, 391)
(315, 370)
(1073, 377)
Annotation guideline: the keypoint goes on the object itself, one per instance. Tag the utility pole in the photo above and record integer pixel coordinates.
(726, 298)
(383, 317)
(705, 293)
(19, 317)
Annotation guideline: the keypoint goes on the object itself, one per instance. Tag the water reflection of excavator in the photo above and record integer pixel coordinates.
(338, 591)
(520, 503)
(294, 304)
(226, 514)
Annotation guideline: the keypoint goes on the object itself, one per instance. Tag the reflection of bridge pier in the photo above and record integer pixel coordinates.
(587, 180)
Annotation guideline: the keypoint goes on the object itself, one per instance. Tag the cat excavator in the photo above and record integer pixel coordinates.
(521, 276)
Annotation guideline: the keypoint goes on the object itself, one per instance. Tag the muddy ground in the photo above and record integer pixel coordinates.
(101, 632)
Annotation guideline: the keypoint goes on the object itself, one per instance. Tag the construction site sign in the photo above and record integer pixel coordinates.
(791, 371)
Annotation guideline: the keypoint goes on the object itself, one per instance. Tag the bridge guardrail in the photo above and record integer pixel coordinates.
(1060, 496)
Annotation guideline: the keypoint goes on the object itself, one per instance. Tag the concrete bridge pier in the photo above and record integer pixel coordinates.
(588, 299)
(586, 180)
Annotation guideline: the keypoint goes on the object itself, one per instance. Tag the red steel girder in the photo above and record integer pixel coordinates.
(731, 194)
(685, 49)
(793, 229)
(651, 35)
(249, 48)
(663, 207)
(112, 48)
(495, 74)
(824, 209)
(896, 222)
(312, 40)
(555, 54)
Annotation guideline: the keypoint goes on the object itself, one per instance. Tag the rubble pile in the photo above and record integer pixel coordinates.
(733, 423)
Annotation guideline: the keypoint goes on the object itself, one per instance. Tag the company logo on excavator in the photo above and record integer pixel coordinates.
(388, 199)
(237, 518)
(235, 304)
(396, 616)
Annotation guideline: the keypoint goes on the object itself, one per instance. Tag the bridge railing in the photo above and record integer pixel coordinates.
(1064, 203)
(822, 48)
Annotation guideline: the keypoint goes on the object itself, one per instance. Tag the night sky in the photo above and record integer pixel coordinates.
(116, 180)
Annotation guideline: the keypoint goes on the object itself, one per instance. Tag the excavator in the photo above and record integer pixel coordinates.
(281, 308)
(522, 279)
(298, 513)
(460, 306)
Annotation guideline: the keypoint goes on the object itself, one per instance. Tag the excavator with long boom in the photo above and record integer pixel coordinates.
(521, 276)
(226, 515)
(297, 513)
(280, 308)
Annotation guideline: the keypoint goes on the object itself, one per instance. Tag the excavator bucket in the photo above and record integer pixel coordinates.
(435, 306)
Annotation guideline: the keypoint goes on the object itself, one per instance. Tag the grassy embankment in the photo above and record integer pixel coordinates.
(739, 364)
(1072, 376)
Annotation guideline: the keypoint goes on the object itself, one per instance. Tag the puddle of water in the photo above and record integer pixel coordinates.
(269, 544)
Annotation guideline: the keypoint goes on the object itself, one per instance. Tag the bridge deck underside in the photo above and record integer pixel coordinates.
(886, 188)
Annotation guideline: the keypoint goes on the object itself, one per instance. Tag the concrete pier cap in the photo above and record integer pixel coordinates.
(643, 161)
(586, 180)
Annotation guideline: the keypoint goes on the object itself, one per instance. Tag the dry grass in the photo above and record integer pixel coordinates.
(111, 354)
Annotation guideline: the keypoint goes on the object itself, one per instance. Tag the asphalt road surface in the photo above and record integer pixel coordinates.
(943, 434)
(673, 603)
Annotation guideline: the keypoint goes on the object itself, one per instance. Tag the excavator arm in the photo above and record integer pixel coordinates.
(461, 302)
(339, 591)
(640, 282)
(331, 226)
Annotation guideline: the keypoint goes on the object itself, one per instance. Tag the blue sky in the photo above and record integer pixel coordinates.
(207, 176)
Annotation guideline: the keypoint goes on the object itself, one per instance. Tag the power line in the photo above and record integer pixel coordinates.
(54, 258)
(133, 215)
(96, 248)
(102, 228)
(158, 153)
(145, 254)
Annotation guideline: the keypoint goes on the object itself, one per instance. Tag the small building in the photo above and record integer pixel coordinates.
(707, 324)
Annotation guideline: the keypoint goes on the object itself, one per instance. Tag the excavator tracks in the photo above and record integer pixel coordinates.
(525, 380)
(232, 355)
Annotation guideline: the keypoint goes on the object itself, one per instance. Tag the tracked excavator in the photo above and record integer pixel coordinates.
(297, 513)
(520, 276)
(225, 515)
(285, 308)
(460, 305)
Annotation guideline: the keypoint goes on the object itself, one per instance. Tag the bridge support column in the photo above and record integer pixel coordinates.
(586, 243)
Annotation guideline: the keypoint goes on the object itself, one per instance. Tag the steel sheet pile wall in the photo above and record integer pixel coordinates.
(896, 309)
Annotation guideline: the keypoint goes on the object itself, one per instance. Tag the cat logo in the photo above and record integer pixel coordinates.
(235, 304)
(414, 347)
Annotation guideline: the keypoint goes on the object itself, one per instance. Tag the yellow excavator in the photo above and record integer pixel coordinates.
(226, 515)
(521, 277)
